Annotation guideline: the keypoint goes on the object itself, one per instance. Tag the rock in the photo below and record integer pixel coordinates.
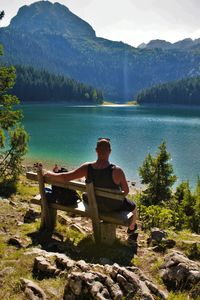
(15, 241)
(6, 271)
(95, 281)
(179, 272)
(4, 200)
(77, 228)
(32, 290)
(158, 240)
(83, 265)
(19, 223)
(157, 234)
(44, 267)
(64, 220)
(155, 290)
(12, 203)
(31, 215)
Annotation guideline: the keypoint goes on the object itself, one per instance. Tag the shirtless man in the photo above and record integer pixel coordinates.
(106, 175)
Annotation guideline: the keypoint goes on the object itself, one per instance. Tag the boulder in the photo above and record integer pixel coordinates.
(179, 272)
(31, 215)
(32, 290)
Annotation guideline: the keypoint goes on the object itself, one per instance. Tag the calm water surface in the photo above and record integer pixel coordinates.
(67, 135)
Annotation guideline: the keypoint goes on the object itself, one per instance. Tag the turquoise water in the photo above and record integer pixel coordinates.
(67, 135)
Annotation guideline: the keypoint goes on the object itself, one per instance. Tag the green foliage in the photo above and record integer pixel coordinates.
(178, 296)
(157, 205)
(13, 137)
(155, 216)
(157, 175)
(181, 211)
(40, 85)
(184, 92)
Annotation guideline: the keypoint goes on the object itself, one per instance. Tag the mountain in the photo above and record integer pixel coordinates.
(185, 44)
(49, 36)
(156, 44)
(50, 18)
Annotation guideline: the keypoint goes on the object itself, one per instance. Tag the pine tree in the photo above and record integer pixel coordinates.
(13, 137)
(157, 175)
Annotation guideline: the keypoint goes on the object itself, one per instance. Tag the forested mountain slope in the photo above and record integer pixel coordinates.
(49, 36)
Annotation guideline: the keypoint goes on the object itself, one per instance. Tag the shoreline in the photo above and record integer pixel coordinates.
(113, 104)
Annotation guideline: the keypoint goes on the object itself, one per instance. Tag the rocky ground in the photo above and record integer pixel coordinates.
(68, 265)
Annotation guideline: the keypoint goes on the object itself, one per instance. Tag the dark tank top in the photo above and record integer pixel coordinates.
(103, 178)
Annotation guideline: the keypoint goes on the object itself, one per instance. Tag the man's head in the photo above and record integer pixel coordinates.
(103, 148)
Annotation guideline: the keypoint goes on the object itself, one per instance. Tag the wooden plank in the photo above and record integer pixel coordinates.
(119, 218)
(81, 208)
(80, 186)
(48, 215)
(74, 185)
(94, 215)
(108, 233)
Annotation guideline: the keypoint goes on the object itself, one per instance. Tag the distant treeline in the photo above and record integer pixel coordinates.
(40, 85)
(181, 92)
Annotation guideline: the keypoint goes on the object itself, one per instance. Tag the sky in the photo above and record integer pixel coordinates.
(130, 21)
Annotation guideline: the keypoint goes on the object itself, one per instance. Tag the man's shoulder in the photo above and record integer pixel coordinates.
(117, 169)
(86, 164)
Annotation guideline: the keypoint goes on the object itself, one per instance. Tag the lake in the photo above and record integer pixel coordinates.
(67, 135)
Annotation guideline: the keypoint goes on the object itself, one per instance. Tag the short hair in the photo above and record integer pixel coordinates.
(103, 145)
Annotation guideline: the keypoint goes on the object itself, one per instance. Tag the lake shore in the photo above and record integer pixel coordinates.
(129, 103)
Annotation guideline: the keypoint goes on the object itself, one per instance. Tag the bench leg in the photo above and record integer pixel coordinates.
(108, 233)
(50, 223)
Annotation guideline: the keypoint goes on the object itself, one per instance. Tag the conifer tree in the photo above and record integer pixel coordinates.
(13, 137)
(157, 175)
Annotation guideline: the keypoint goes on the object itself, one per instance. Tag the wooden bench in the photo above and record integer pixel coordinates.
(104, 224)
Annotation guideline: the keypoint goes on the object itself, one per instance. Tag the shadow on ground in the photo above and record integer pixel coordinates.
(86, 249)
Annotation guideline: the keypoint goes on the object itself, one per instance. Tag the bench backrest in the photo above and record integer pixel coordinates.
(79, 186)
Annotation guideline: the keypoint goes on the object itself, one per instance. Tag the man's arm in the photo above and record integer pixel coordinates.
(68, 176)
(120, 179)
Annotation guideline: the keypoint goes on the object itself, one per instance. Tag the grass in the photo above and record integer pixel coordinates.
(180, 296)
(25, 189)
(77, 245)
(187, 242)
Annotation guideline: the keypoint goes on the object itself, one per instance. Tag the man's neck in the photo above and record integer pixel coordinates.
(102, 163)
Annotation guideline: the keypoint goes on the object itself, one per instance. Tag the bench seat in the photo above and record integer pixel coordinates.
(82, 209)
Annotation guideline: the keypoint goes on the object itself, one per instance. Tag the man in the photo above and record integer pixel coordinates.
(105, 175)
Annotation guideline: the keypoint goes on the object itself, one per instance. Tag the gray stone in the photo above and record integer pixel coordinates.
(43, 266)
(75, 285)
(77, 228)
(6, 271)
(32, 290)
(95, 281)
(31, 215)
(15, 241)
(157, 234)
(179, 272)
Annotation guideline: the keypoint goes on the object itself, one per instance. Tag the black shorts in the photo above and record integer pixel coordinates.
(128, 205)
(108, 205)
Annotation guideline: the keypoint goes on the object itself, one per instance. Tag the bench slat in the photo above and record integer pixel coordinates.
(118, 218)
(80, 186)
